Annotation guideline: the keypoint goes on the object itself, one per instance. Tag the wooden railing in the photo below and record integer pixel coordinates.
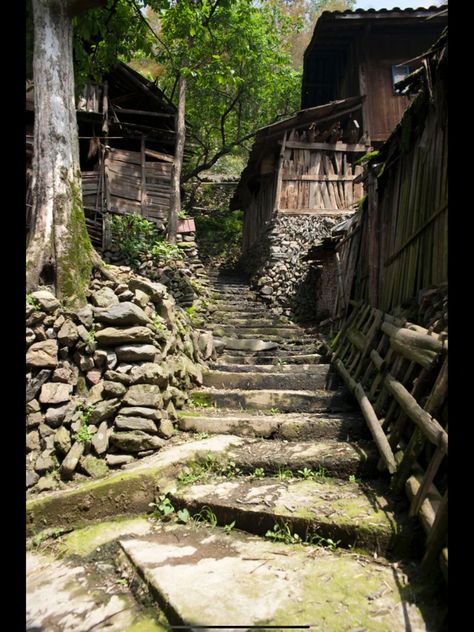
(398, 372)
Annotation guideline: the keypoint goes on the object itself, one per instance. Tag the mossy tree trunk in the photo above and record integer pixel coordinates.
(175, 205)
(59, 250)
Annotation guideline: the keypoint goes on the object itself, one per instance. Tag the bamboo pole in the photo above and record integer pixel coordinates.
(437, 536)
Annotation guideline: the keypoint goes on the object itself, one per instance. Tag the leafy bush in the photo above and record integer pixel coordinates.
(135, 237)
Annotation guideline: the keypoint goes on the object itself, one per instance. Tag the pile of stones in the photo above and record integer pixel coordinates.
(277, 267)
(184, 278)
(104, 382)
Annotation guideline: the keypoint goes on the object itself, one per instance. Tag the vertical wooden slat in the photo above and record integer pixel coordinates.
(143, 184)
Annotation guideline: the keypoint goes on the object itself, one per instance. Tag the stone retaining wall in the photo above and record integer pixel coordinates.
(277, 267)
(104, 383)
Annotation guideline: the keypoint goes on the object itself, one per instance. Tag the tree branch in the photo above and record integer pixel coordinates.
(76, 7)
(212, 161)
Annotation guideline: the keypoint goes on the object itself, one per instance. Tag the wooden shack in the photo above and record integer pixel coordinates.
(304, 165)
(364, 53)
(127, 137)
(396, 248)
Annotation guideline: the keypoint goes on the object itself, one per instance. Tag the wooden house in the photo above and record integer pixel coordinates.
(364, 53)
(127, 141)
(397, 244)
(303, 165)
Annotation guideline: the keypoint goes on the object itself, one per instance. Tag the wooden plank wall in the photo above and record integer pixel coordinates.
(398, 372)
(260, 211)
(124, 181)
(316, 179)
(404, 236)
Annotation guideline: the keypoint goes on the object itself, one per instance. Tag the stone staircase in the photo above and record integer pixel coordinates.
(294, 524)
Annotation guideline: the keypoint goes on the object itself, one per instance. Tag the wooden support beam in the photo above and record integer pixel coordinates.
(291, 144)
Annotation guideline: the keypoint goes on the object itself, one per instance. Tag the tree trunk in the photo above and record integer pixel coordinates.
(175, 205)
(59, 251)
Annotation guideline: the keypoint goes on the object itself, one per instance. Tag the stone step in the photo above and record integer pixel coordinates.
(331, 457)
(250, 321)
(315, 379)
(288, 426)
(288, 338)
(277, 357)
(241, 308)
(273, 332)
(280, 400)
(203, 576)
(266, 368)
(354, 514)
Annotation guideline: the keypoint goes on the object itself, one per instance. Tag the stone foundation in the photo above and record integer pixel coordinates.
(278, 269)
(104, 382)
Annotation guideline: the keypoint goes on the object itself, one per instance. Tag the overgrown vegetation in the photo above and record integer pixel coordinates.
(135, 238)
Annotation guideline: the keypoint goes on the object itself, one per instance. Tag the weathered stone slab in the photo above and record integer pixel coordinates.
(113, 389)
(34, 385)
(55, 393)
(62, 440)
(144, 395)
(249, 344)
(135, 441)
(239, 580)
(156, 291)
(150, 373)
(142, 411)
(105, 297)
(356, 516)
(46, 299)
(103, 410)
(100, 440)
(55, 416)
(43, 354)
(113, 336)
(125, 313)
(116, 460)
(123, 422)
(94, 467)
(68, 334)
(71, 460)
(136, 353)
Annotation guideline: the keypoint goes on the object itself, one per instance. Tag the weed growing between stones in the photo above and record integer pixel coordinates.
(259, 472)
(83, 434)
(283, 533)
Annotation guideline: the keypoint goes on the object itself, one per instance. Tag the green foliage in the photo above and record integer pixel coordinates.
(165, 252)
(162, 509)
(183, 516)
(206, 515)
(353, 479)
(366, 157)
(228, 527)
(33, 302)
(83, 434)
(220, 234)
(259, 472)
(275, 411)
(306, 473)
(136, 237)
(319, 540)
(234, 56)
(284, 474)
(282, 533)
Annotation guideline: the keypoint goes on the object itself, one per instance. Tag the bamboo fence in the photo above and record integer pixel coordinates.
(398, 373)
